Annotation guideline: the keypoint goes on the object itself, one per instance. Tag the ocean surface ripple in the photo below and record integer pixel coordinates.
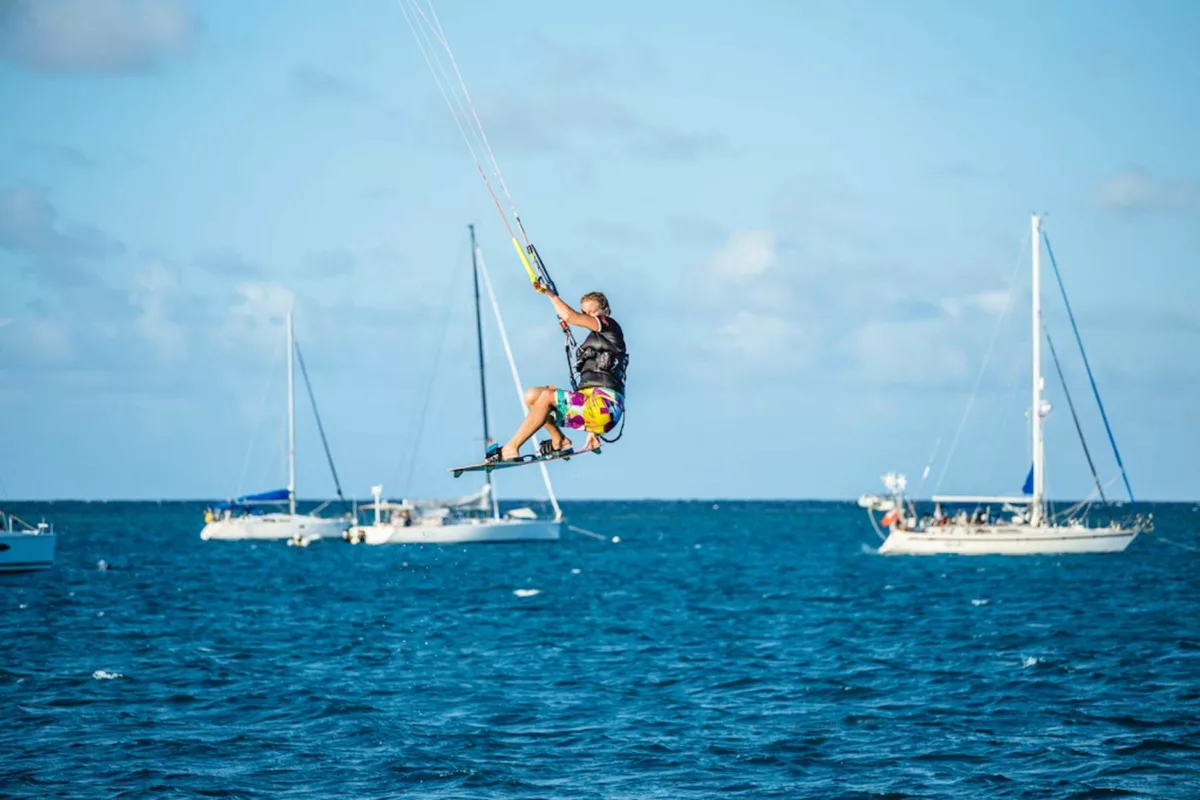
(753, 649)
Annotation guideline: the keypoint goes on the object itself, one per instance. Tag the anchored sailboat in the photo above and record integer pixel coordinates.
(25, 547)
(1031, 526)
(247, 517)
(475, 518)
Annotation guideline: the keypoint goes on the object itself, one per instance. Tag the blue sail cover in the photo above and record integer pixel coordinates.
(246, 500)
(1028, 487)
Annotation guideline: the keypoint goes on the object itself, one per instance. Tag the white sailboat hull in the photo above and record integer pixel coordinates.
(274, 526)
(491, 530)
(1012, 540)
(20, 552)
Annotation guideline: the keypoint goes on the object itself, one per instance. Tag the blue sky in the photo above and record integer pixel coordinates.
(809, 218)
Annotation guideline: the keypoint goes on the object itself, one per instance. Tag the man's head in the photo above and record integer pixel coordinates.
(595, 303)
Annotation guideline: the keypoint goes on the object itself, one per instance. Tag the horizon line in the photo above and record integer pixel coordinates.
(853, 500)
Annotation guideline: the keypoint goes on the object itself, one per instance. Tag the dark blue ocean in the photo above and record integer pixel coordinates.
(737, 649)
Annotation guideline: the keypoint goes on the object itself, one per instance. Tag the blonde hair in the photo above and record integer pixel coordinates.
(599, 299)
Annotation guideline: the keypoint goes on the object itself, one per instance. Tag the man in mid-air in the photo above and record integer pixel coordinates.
(597, 406)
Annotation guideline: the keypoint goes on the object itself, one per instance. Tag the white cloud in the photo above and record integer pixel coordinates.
(1136, 189)
(748, 254)
(255, 320)
(993, 302)
(155, 290)
(34, 341)
(997, 301)
(30, 224)
(929, 349)
(759, 321)
(774, 309)
(745, 273)
(754, 341)
(107, 35)
(906, 352)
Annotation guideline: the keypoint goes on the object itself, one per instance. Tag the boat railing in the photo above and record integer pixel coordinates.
(9, 523)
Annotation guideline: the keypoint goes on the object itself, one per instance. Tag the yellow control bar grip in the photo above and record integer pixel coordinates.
(525, 261)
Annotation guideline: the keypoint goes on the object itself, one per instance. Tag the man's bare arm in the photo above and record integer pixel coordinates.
(573, 317)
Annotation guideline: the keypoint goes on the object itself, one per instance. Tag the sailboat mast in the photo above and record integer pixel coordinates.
(487, 438)
(512, 366)
(291, 384)
(1035, 412)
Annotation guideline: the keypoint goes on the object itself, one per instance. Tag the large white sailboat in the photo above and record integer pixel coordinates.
(1025, 524)
(463, 520)
(25, 547)
(477, 517)
(249, 516)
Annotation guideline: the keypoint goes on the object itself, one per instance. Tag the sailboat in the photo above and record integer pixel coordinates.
(249, 517)
(1030, 527)
(476, 517)
(25, 547)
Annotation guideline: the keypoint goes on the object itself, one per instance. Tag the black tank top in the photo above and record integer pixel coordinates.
(601, 359)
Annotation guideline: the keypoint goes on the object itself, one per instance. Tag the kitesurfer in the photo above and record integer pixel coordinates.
(598, 403)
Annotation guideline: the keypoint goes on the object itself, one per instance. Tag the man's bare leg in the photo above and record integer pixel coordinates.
(539, 415)
(558, 439)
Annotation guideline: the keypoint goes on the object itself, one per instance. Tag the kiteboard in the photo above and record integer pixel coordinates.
(522, 461)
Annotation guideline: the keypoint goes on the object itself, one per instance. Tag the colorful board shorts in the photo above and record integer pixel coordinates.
(594, 409)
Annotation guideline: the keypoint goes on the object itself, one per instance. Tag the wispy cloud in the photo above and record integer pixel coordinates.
(35, 343)
(1136, 190)
(62, 154)
(906, 352)
(773, 308)
(620, 64)
(79, 318)
(747, 255)
(30, 224)
(228, 264)
(256, 314)
(658, 143)
(572, 103)
(759, 340)
(556, 119)
(317, 84)
(95, 35)
(759, 323)
(153, 292)
(695, 231)
(749, 272)
(993, 302)
(330, 264)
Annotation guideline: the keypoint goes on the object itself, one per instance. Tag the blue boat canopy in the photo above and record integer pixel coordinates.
(262, 498)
